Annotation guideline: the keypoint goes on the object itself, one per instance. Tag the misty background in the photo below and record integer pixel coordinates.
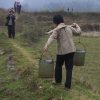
(55, 5)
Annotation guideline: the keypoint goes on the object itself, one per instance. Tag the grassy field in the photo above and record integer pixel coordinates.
(86, 80)
(22, 82)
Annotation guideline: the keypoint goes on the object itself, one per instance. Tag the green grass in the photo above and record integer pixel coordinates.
(86, 79)
(91, 71)
(85, 82)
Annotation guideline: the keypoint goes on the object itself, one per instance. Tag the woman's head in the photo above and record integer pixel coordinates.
(57, 19)
(11, 11)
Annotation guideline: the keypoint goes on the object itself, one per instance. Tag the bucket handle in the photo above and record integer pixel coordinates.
(42, 54)
(82, 44)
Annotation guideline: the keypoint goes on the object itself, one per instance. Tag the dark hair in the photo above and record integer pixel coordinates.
(57, 19)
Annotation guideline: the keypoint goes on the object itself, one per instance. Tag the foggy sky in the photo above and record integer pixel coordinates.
(44, 5)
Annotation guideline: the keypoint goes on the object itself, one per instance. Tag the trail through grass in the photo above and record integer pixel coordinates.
(23, 52)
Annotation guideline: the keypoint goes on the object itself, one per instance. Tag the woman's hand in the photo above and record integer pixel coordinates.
(74, 25)
(45, 49)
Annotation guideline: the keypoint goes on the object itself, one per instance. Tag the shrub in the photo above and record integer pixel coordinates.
(90, 27)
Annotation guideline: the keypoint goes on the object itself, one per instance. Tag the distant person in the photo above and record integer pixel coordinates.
(19, 7)
(72, 10)
(11, 24)
(66, 48)
(15, 7)
(68, 10)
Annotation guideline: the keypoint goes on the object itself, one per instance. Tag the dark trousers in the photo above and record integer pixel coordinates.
(68, 60)
(11, 31)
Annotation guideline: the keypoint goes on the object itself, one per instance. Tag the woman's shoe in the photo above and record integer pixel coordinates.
(55, 83)
(67, 89)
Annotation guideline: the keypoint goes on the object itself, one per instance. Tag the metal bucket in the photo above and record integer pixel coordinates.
(79, 57)
(46, 68)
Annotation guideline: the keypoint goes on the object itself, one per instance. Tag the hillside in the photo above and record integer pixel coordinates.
(19, 62)
(85, 5)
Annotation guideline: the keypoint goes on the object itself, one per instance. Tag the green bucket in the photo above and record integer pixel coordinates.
(46, 67)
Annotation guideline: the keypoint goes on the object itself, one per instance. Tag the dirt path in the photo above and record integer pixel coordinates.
(20, 48)
(23, 52)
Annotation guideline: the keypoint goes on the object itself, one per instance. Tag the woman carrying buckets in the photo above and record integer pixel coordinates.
(66, 48)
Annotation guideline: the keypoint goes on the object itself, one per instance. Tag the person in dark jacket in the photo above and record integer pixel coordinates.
(11, 24)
